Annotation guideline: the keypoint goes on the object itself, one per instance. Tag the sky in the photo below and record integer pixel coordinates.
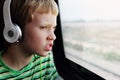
(89, 10)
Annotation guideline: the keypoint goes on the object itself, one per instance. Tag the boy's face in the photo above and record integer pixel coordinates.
(39, 34)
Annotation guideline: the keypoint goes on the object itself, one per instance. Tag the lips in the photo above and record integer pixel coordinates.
(48, 47)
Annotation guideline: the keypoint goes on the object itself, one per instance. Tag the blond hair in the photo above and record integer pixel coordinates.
(22, 10)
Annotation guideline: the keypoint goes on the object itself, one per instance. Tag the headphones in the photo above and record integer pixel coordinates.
(12, 32)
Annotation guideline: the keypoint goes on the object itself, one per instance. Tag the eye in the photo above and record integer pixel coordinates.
(43, 27)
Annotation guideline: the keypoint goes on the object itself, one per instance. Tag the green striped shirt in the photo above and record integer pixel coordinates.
(39, 68)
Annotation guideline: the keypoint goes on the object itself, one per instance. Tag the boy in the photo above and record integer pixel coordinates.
(30, 57)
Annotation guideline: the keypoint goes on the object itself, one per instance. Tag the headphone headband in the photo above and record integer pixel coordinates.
(6, 12)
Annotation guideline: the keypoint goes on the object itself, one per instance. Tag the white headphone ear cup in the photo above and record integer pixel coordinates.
(12, 33)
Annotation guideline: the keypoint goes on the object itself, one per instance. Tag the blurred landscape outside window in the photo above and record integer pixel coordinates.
(91, 35)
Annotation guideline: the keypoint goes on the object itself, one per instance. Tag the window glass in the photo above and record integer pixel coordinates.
(91, 34)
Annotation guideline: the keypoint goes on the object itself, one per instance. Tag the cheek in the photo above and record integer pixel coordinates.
(34, 39)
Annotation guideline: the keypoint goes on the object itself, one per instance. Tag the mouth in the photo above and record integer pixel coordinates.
(48, 47)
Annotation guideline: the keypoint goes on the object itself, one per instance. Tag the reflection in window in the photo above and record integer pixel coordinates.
(91, 33)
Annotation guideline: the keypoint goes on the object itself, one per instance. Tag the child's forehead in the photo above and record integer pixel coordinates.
(44, 16)
(43, 12)
(44, 19)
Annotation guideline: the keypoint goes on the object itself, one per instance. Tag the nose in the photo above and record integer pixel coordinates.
(51, 36)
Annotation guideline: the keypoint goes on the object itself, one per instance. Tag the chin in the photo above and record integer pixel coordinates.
(43, 54)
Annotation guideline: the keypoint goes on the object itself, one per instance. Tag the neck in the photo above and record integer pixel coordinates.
(16, 57)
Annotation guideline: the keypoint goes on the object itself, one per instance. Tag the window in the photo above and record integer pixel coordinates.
(91, 35)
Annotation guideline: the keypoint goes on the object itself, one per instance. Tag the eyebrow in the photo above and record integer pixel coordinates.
(48, 25)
